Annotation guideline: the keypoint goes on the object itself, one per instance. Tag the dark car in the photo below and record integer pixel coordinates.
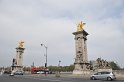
(7, 72)
(18, 73)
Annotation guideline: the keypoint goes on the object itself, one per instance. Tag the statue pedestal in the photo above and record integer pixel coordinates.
(99, 70)
(81, 69)
(81, 72)
(17, 63)
(81, 60)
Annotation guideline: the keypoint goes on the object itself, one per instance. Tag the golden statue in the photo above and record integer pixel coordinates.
(21, 44)
(80, 26)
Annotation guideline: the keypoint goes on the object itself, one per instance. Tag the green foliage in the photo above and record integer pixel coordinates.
(115, 66)
(53, 68)
(61, 68)
(27, 69)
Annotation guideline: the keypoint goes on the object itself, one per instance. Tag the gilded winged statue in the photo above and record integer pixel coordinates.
(80, 26)
(21, 44)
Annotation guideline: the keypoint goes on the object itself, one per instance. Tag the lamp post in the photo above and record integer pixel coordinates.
(45, 54)
(58, 71)
(59, 66)
(59, 63)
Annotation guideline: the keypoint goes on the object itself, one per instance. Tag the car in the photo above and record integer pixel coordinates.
(40, 72)
(103, 75)
(50, 72)
(18, 73)
(11, 74)
(7, 72)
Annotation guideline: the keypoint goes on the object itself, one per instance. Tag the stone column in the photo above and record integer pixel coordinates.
(81, 60)
(85, 50)
(19, 58)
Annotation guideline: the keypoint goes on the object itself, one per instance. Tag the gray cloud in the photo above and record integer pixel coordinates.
(52, 22)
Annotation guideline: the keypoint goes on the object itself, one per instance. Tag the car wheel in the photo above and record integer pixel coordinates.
(109, 78)
(93, 78)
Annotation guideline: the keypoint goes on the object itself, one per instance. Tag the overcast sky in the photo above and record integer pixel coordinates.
(52, 23)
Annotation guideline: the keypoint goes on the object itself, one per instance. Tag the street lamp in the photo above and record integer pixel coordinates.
(58, 71)
(45, 54)
(59, 63)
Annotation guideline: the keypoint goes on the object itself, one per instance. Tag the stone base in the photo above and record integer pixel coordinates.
(17, 68)
(99, 70)
(81, 72)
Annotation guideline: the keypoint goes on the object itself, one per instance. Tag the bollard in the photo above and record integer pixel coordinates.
(57, 74)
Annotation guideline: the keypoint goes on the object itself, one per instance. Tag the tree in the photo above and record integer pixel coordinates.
(61, 68)
(26, 68)
(115, 66)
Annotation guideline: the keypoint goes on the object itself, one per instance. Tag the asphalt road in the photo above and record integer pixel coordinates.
(41, 78)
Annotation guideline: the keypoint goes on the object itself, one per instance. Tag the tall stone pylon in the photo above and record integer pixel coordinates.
(81, 60)
(18, 61)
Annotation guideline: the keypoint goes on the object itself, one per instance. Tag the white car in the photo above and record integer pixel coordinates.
(12, 73)
(103, 75)
(40, 72)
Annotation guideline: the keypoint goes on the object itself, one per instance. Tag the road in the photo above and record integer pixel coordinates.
(42, 78)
